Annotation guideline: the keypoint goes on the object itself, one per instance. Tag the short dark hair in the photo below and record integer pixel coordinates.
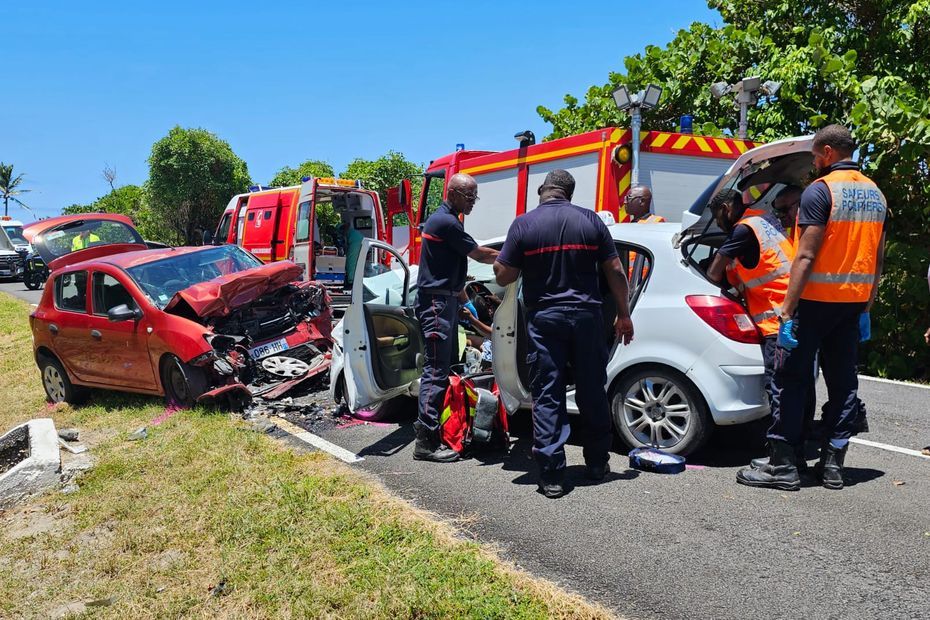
(559, 179)
(836, 137)
(723, 197)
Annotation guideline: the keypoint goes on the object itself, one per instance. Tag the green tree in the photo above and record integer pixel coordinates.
(10, 188)
(310, 168)
(129, 200)
(864, 64)
(382, 173)
(192, 175)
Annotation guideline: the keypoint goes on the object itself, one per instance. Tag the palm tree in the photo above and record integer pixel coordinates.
(9, 187)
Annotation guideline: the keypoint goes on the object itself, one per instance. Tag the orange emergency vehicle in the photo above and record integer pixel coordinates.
(282, 223)
(677, 167)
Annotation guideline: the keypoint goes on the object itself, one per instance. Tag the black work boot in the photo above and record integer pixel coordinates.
(829, 470)
(781, 472)
(800, 461)
(429, 447)
(551, 484)
(597, 473)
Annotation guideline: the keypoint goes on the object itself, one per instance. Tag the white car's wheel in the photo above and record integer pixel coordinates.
(659, 406)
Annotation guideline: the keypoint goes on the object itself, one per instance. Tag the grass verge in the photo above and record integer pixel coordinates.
(157, 524)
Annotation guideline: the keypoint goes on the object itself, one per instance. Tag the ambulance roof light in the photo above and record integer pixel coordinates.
(305, 179)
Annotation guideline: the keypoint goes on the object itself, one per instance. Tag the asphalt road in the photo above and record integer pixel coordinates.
(19, 289)
(696, 544)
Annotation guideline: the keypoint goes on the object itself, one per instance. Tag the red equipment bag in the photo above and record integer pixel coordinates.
(472, 414)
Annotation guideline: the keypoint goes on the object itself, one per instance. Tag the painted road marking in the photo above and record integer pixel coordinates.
(894, 382)
(889, 447)
(318, 442)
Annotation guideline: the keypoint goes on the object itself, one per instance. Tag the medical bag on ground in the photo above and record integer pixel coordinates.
(473, 418)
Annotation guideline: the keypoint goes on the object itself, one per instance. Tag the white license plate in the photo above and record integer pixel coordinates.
(269, 348)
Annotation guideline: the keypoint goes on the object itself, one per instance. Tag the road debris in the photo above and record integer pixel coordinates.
(221, 588)
(898, 483)
(138, 435)
(68, 434)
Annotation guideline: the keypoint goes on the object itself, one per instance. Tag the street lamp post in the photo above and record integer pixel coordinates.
(746, 91)
(636, 103)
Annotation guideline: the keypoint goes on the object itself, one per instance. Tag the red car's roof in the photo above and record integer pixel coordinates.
(126, 260)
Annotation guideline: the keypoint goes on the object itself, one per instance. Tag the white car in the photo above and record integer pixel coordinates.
(695, 361)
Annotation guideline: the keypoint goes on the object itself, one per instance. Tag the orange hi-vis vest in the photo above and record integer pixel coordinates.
(764, 286)
(844, 270)
(649, 219)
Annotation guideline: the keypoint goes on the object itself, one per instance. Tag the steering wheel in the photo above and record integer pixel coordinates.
(484, 300)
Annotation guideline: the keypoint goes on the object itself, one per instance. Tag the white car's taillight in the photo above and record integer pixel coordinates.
(726, 316)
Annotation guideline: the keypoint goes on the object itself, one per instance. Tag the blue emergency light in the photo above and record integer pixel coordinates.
(305, 179)
(460, 146)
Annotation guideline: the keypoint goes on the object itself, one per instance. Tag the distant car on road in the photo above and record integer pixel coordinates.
(188, 323)
(695, 361)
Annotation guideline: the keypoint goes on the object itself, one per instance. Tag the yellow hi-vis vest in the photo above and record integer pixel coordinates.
(844, 270)
(764, 286)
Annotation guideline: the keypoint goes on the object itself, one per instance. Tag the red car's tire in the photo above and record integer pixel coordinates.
(58, 387)
(182, 383)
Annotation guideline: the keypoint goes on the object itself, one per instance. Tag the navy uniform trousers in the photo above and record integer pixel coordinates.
(832, 328)
(559, 336)
(437, 315)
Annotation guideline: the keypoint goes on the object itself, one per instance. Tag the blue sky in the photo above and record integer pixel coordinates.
(283, 82)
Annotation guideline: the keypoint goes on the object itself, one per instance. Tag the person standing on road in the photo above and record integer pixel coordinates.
(833, 284)
(756, 259)
(639, 204)
(440, 282)
(559, 248)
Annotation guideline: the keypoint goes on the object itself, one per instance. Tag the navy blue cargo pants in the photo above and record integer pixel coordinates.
(769, 355)
(437, 315)
(559, 336)
(834, 329)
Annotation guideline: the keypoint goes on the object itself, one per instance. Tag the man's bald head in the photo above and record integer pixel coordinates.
(639, 201)
(463, 192)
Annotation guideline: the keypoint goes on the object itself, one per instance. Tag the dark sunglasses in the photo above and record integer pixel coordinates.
(472, 197)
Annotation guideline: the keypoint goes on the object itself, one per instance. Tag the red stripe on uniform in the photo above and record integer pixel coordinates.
(430, 237)
(560, 248)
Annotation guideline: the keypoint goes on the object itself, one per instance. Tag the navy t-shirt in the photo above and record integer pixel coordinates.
(558, 247)
(444, 251)
(743, 245)
(816, 201)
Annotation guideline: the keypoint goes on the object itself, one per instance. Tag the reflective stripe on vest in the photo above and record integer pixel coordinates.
(844, 270)
(651, 219)
(764, 286)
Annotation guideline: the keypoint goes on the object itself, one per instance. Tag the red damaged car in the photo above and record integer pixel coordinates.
(190, 323)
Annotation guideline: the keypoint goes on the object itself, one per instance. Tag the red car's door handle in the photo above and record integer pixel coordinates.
(95, 334)
(53, 328)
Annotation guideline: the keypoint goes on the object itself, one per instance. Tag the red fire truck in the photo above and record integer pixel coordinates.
(677, 167)
(288, 223)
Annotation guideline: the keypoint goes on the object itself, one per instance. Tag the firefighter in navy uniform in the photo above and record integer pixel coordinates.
(440, 284)
(833, 283)
(560, 248)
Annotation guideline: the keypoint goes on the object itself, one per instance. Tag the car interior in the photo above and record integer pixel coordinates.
(108, 293)
(759, 186)
(393, 329)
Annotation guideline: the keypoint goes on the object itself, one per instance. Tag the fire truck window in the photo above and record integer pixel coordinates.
(433, 196)
(303, 222)
(267, 215)
(251, 216)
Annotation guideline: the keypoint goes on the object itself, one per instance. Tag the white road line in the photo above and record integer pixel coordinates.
(318, 442)
(889, 447)
(894, 382)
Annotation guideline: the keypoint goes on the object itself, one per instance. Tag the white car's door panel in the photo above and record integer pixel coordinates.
(504, 344)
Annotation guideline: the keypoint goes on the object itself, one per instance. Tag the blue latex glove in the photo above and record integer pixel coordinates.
(865, 327)
(471, 308)
(786, 339)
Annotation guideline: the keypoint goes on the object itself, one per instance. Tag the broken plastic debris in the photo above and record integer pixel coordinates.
(68, 434)
(138, 434)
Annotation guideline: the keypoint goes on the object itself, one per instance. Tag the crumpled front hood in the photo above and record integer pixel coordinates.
(221, 296)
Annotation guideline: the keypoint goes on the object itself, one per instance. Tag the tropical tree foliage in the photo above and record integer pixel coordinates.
(128, 200)
(10, 187)
(863, 63)
(192, 175)
(382, 173)
(310, 168)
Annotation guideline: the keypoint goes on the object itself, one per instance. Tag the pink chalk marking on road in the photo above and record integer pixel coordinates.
(695, 467)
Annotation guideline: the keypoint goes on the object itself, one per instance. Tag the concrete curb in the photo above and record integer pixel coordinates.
(39, 470)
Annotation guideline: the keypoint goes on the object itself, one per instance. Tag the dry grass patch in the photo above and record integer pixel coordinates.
(158, 524)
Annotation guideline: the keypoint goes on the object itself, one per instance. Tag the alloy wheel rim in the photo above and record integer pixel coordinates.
(178, 382)
(54, 385)
(657, 412)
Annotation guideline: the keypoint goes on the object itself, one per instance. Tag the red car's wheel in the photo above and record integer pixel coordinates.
(183, 383)
(58, 388)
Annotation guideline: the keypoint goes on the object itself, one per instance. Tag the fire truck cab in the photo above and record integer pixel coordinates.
(307, 223)
(677, 167)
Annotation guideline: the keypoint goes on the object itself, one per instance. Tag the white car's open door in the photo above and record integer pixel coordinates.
(382, 342)
(508, 342)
